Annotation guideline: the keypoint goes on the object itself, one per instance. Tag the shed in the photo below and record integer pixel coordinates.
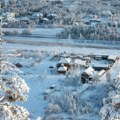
(101, 66)
(80, 62)
(87, 74)
(25, 20)
(62, 69)
(101, 72)
(65, 61)
(112, 58)
(98, 57)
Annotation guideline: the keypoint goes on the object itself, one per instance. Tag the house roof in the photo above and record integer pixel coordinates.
(38, 14)
(101, 72)
(80, 62)
(24, 18)
(111, 57)
(65, 60)
(62, 68)
(101, 65)
(89, 71)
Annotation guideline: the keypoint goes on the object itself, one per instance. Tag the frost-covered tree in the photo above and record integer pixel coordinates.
(12, 89)
(111, 104)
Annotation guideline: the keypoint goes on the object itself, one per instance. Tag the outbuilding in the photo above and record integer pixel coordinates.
(87, 74)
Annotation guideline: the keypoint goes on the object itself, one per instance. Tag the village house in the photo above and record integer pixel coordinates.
(52, 16)
(98, 66)
(9, 16)
(101, 73)
(37, 15)
(80, 62)
(24, 21)
(65, 61)
(87, 74)
(62, 69)
(64, 65)
(112, 58)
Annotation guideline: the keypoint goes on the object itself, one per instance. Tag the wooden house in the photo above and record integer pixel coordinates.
(87, 74)
(112, 58)
(80, 62)
(65, 61)
(62, 69)
(101, 66)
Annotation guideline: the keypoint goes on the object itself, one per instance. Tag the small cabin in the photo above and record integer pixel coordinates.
(98, 57)
(65, 61)
(101, 66)
(101, 73)
(62, 69)
(112, 58)
(87, 74)
(24, 20)
(80, 62)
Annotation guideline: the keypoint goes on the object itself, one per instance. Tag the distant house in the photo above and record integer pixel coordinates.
(52, 16)
(37, 15)
(112, 58)
(44, 20)
(9, 16)
(24, 21)
(101, 73)
(113, 23)
(107, 13)
(98, 57)
(101, 66)
(65, 61)
(87, 74)
(96, 20)
(62, 69)
(80, 62)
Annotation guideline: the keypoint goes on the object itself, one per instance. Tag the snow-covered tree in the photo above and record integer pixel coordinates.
(12, 88)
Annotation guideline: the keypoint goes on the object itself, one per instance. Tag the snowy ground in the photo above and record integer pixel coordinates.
(38, 77)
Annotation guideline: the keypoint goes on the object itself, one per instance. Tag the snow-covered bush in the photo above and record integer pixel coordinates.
(70, 103)
(111, 104)
(12, 88)
(12, 112)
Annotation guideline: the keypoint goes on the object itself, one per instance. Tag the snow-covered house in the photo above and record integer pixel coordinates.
(64, 65)
(52, 16)
(80, 62)
(62, 69)
(112, 58)
(24, 21)
(65, 61)
(87, 74)
(98, 66)
(113, 23)
(37, 15)
(9, 16)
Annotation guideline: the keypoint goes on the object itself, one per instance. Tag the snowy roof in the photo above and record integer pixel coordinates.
(111, 57)
(100, 65)
(101, 72)
(38, 14)
(80, 62)
(65, 60)
(54, 15)
(62, 68)
(45, 19)
(89, 71)
(24, 18)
